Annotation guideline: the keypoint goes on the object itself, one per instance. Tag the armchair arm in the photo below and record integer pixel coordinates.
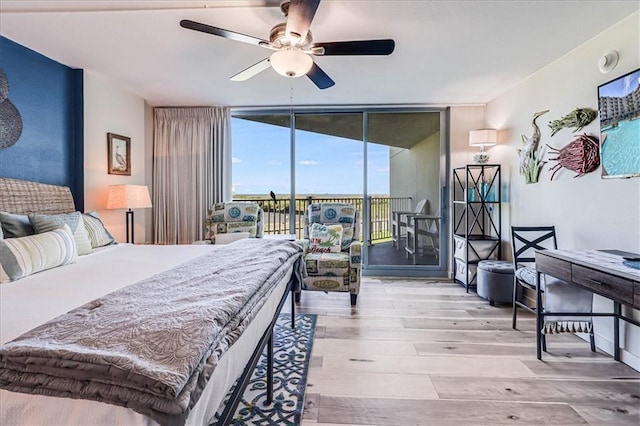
(355, 254)
(397, 215)
(305, 243)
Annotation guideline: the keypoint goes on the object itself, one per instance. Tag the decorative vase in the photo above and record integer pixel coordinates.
(471, 197)
(481, 157)
(486, 192)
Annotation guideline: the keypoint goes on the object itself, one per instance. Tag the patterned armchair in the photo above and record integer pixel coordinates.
(233, 217)
(332, 249)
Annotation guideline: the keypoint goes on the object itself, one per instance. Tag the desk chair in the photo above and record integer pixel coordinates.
(525, 240)
(399, 221)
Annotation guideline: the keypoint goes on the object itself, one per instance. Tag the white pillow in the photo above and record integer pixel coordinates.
(325, 238)
(23, 256)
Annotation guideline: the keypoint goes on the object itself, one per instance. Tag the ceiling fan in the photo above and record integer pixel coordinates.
(293, 46)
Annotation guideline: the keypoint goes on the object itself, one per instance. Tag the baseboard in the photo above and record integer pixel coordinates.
(606, 345)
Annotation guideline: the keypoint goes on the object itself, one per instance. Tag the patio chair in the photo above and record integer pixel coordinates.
(557, 295)
(399, 221)
(244, 218)
(423, 235)
(332, 249)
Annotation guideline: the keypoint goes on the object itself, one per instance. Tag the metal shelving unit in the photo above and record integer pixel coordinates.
(477, 219)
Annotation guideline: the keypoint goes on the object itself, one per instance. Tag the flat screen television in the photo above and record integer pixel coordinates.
(619, 108)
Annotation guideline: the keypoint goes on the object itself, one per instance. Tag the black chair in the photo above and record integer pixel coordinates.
(525, 240)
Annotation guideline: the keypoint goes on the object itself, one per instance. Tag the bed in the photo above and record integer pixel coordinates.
(29, 305)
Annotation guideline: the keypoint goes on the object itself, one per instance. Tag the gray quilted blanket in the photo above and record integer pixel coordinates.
(153, 345)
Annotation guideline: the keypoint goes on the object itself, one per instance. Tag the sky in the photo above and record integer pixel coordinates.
(324, 164)
(621, 86)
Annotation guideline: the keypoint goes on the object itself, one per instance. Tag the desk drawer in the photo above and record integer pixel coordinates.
(604, 284)
(557, 268)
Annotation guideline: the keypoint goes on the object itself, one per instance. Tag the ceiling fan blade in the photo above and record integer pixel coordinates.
(231, 35)
(319, 77)
(254, 69)
(300, 15)
(360, 47)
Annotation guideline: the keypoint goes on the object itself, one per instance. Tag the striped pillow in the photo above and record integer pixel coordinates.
(48, 222)
(23, 256)
(98, 234)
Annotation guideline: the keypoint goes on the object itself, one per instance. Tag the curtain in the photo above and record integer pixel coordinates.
(191, 170)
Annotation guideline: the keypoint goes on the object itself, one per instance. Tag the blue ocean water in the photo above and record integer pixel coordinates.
(621, 149)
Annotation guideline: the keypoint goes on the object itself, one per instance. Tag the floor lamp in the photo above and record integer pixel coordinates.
(129, 197)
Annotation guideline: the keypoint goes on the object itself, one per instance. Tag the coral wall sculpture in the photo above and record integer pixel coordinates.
(578, 118)
(530, 155)
(10, 119)
(580, 156)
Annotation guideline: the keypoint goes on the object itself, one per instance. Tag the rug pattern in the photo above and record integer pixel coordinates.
(291, 356)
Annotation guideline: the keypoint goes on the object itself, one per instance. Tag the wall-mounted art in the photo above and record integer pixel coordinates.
(530, 155)
(10, 118)
(119, 153)
(580, 156)
(619, 104)
(578, 118)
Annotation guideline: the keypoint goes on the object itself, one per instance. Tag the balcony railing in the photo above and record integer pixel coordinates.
(276, 213)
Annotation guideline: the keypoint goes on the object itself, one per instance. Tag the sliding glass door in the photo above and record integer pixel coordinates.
(328, 159)
(406, 149)
(391, 164)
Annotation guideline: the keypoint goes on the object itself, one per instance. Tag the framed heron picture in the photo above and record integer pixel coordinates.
(119, 154)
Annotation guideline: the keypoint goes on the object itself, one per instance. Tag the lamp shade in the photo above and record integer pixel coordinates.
(291, 62)
(128, 197)
(483, 137)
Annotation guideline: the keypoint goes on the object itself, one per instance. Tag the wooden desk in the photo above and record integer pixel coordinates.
(599, 271)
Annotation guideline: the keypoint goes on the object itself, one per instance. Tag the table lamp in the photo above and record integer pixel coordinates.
(129, 197)
(482, 138)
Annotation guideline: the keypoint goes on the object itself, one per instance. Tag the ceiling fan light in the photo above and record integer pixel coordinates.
(291, 62)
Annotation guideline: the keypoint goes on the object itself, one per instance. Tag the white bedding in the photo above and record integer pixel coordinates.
(34, 300)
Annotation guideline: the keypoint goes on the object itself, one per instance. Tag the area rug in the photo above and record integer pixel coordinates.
(291, 356)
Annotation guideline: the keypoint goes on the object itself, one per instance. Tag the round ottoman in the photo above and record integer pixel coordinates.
(495, 281)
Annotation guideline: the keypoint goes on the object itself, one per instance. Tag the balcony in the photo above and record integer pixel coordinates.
(276, 213)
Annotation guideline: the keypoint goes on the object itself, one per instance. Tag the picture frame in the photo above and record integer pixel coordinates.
(619, 112)
(119, 154)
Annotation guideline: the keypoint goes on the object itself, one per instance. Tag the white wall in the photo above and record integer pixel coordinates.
(415, 172)
(110, 108)
(588, 212)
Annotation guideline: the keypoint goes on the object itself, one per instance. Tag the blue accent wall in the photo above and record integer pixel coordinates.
(49, 97)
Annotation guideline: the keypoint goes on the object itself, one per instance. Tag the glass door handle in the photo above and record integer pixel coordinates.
(443, 205)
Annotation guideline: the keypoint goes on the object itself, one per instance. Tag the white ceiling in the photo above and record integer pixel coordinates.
(447, 52)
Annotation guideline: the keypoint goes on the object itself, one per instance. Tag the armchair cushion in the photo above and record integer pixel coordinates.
(325, 238)
(234, 211)
(333, 271)
(319, 263)
(234, 216)
(336, 213)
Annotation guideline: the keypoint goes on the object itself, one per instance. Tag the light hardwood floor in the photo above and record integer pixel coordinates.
(420, 352)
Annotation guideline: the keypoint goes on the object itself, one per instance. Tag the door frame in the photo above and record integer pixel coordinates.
(442, 269)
